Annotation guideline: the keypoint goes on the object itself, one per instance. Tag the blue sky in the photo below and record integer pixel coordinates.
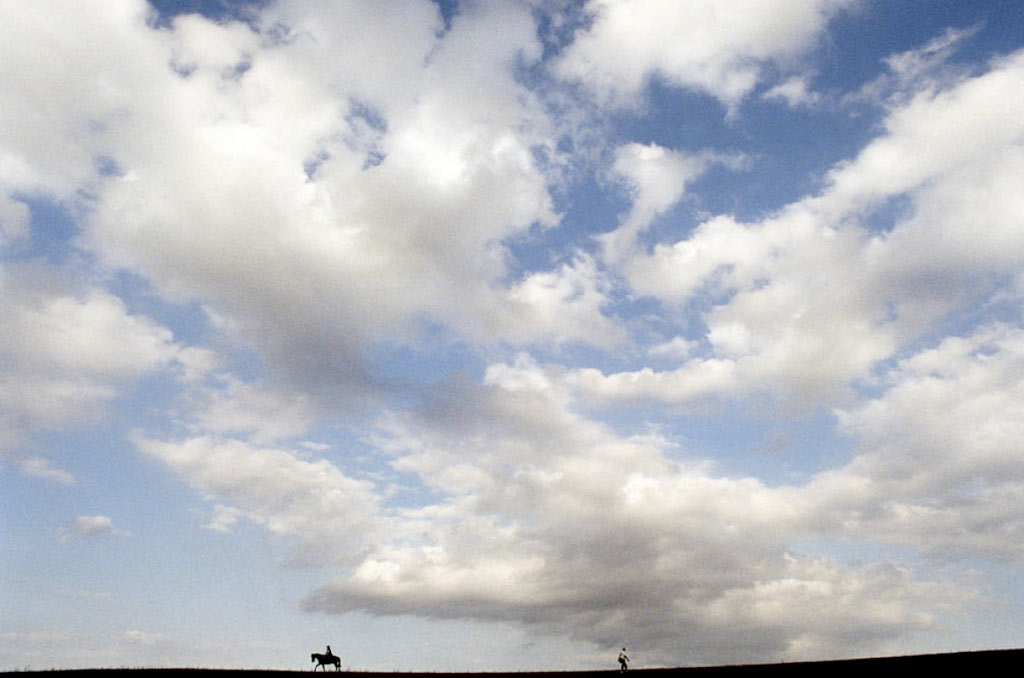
(500, 335)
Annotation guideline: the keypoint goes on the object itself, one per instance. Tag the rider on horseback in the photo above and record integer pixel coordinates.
(322, 660)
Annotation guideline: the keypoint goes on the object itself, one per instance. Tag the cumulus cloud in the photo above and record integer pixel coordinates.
(329, 516)
(563, 305)
(815, 296)
(55, 130)
(815, 605)
(64, 353)
(619, 534)
(938, 462)
(231, 406)
(555, 521)
(374, 200)
(719, 48)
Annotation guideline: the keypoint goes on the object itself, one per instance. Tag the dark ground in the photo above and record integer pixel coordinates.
(930, 664)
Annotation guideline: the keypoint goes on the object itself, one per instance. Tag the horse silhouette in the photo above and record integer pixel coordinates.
(325, 659)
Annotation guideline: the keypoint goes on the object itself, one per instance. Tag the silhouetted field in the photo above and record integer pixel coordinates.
(861, 668)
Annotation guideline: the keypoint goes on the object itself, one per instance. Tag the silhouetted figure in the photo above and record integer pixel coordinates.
(325, 659)
(623, 661)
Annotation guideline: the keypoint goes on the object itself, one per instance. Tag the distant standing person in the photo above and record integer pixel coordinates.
(623, 661)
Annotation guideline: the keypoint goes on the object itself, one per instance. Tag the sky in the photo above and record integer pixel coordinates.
(472, 335)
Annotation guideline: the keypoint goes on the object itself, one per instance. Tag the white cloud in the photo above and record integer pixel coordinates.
(794, 92)
(809, 300)
(939, 458)
(88, 526)
(312, 203)
(609, 536)
(330, 516)
(656, 178)
(694, 380)
(42, 468)
(935, 136)
(328, 47)
(678, 348)
(822, 605)
(925, 67)
(799, 317)
(55, 129)
(715, 47)
(563, 305)
(224, 518)
(230, 406)
(66, 352)
(555, 521)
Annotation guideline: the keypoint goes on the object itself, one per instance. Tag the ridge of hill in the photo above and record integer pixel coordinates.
(836, 668)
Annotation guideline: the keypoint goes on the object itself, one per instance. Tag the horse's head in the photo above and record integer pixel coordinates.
(312, 657)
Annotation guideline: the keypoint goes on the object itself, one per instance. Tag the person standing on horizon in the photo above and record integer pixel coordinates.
(623, 661)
